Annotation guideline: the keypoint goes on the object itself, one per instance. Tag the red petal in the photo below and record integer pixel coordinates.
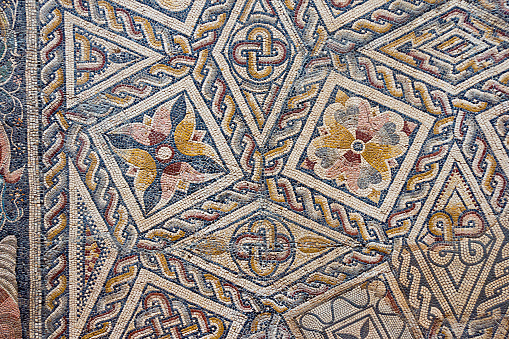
(363, 135)
(352, 157)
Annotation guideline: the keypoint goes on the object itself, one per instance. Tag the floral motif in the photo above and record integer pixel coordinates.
(177, 176)
(358, 145)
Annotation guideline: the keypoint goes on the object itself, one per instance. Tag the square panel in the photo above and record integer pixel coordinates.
(230, 169)
(332, 158)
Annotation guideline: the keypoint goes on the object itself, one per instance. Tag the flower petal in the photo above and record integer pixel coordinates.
(339, 137)
(376, 155)
(352, 157)
(363, 135)
(368, 176)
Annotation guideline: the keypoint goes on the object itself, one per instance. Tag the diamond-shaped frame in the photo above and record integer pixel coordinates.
(439, 284)
(180, 248)
(219, 55)
(371, 49)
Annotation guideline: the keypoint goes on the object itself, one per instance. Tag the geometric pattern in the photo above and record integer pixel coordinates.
(254, 169)
(265, 62)
(449, 47)
(361, 308)
(460, 252)
(247, 229)
(164, 312)
(123, 56)
(91, 255)
(116, 157)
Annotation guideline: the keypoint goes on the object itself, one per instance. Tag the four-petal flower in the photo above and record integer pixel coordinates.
(358, 145)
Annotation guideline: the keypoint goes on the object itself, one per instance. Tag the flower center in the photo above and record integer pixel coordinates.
(164, 153)
(358, 146)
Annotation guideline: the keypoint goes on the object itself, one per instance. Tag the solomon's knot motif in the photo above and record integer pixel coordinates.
(163, 318)
(261, 50)
(264, 246)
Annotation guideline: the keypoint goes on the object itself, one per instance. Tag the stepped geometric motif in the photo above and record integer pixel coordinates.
(449, 47)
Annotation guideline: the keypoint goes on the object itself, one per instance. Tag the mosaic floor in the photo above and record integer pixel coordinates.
(254, 169)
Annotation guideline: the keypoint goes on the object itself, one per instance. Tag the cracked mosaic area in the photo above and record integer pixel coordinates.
(254, 169)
